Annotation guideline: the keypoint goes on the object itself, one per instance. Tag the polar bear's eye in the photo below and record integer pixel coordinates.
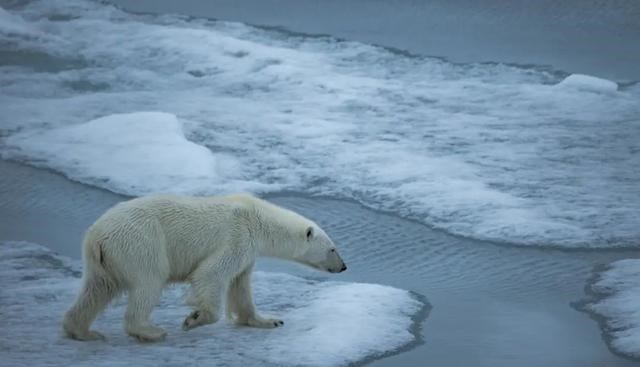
(333, 250)
(309, 233)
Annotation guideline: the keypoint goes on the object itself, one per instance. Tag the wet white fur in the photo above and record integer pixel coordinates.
(141, 245)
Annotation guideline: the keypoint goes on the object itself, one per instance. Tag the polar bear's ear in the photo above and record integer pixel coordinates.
(309, 233)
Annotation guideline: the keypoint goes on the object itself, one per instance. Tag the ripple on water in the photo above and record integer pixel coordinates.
(391, 247)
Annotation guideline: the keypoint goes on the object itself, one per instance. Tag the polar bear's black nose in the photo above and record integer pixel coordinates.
(344, 267)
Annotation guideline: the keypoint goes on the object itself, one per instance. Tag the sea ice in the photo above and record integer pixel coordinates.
(327, 323)
(137, 153)
(589, 83)
(618, 292)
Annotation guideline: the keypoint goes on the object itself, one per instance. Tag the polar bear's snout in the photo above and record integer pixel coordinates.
(324, 259)
(335, 262)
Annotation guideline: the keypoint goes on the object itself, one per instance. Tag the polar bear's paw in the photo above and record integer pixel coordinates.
(86, 336)
(264, 323)
(93, 335)
(147, 333)
(198, 318)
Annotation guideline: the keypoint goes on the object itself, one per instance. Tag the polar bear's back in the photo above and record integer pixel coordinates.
(173, 212)
(182, 229)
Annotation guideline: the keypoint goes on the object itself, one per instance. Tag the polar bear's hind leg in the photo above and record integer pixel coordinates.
(95, 295)
(142, 298)
(145, 285)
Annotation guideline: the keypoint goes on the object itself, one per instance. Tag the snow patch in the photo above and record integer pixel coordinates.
(589, 83)
(134, 153)
(619, 289)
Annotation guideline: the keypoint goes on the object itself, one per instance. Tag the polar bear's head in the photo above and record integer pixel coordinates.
(318, 251)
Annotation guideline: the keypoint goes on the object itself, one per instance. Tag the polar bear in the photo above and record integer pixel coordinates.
(141, 245)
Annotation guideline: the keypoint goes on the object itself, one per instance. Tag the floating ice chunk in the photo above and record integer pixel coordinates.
(589, 83)
(133, 153)
(326, 323)
(619, 290)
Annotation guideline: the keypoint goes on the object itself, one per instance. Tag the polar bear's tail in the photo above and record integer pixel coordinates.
(98, 288)
(93, 256)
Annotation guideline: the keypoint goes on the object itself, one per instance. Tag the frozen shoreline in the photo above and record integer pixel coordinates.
(485, 298)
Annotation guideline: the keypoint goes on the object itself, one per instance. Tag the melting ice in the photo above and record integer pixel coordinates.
(618, 292)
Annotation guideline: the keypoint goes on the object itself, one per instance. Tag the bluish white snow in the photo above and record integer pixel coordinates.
(326, 322)
(588, 83)
(618, 292)
(131, 152)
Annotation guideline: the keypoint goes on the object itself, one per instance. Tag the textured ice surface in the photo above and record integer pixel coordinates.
(143, 151)
(619, 290)
(326, 323)
(482, 150)
(589, 83)
(13, 27)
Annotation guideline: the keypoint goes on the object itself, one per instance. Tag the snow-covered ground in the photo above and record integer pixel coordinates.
(136, 152)
(326, 323)
(618, 292)
(488, 151)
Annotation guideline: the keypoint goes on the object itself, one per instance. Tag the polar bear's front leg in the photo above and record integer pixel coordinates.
(240, 303)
